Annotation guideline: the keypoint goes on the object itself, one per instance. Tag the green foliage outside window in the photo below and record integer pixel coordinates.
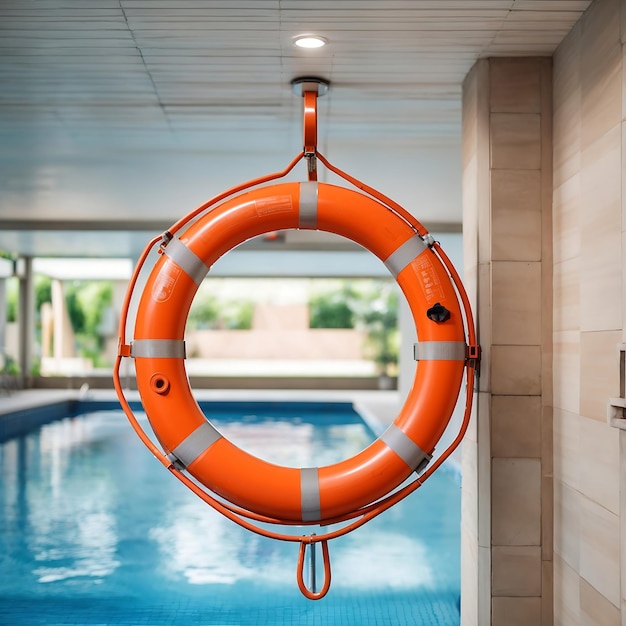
(43, 293)
(381, 322)
(12, 294)
(332, 310)
(368, 304)
(208, 312)
(86, 300)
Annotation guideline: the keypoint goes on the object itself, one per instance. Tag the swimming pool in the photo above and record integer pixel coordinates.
(96, 531)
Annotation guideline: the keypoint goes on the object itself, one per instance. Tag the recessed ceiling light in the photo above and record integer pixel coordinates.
(310, 41)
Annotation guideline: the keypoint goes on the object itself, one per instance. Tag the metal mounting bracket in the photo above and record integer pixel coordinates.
(616, 409)
(310, 89)
(310, 83)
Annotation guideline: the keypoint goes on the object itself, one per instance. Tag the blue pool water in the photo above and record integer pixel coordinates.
(96, 531)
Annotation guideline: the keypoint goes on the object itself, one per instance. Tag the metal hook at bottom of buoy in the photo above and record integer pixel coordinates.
(313, 594)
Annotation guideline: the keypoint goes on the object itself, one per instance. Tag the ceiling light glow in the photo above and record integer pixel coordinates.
(310, 41)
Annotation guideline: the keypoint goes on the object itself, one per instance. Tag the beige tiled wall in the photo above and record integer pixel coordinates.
(588, 209)
(507, 196)
(544, 499)
(476, 458)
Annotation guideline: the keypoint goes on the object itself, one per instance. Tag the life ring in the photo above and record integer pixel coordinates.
(194, 444)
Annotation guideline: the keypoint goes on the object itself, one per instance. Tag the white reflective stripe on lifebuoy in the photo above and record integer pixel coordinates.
(158, 349)
(310, 490)
(404, 447)
(403, 255)
(307, 218)
(187, 260)
(440, 351)
(190, 448)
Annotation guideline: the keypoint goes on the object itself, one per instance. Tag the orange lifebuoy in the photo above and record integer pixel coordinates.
(193, 443)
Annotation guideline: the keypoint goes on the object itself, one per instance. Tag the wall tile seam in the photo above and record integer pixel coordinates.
(515, 545)
(537, 113)
(564, 178)
(499, 255)
(525, 261)
(600, 593)
(567, 116)
(562, 161)
(591, 331)
(558, 256)
(548, 474)
(565, 558)
(565, 160)
(566, 413)
(517, 345)
(565, 170)
(591, 145)
(580, 495)
(595, 419)
(562, 259)
(563, 481)
(530, 395)
(518, 545)
(568, 259)
(561, 181)
(520, 595)
(517, 457)
(519, 151)
(515, 169)
(530, 64)
(545, 126)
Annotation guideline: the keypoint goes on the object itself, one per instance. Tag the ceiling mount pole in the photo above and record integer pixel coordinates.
(310, 89)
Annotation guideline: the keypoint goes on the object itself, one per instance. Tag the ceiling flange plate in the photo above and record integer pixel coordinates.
(309, 83)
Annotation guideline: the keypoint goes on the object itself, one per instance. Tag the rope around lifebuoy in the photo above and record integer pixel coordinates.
(249, 488)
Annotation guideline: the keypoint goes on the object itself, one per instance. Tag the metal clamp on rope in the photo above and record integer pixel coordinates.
(424, 463)
(416, 458)
(165, 239)
(311, 162)
(429, 240)
(123, 349)
(175, 462)
(473, 357)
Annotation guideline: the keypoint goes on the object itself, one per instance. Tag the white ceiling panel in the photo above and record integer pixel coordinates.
(125, 114)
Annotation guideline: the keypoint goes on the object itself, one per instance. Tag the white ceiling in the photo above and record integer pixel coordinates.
(119, 116)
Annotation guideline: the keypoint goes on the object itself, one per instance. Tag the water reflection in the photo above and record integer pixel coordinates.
(84, 504)
(296, 444)
(405, 562)
(204, 547)
(86, 549)
(62, 509)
